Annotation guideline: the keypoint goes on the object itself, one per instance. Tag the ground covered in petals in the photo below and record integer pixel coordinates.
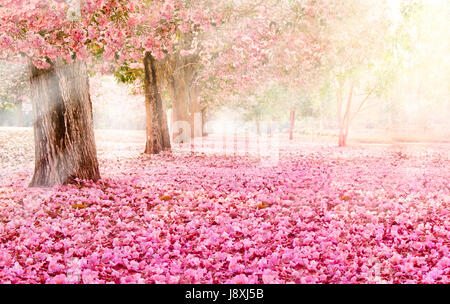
(321, 215)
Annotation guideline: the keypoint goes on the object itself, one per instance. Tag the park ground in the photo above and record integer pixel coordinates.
(362, 214)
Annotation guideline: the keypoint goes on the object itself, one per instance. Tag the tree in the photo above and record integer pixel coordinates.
(63, 129)
(355, 57)
(161, 41)
(186, 36)
(158, 138)
(213, 31)
(58, 38)
(44, 31)
(234, 54)
(297, 55)
(282, 46)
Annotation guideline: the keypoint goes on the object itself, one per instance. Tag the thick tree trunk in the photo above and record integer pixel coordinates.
(63, 125)
(292, 126)
(196, 112)
(178, 92)
(157, 131)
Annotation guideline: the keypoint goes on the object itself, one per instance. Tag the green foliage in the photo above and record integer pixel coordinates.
(275, 102)
(125, 74)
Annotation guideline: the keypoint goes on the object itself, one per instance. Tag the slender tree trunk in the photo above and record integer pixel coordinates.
(192, 120)
(258, 127)
(343, 135)
(157, 131)
(344, 122)
(63, 125)
(292, 126)
(204, 122)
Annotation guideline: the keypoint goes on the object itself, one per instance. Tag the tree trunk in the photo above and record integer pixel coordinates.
(344, 122)
(192, 120)
(196, 112)
(178, 92)
(342, 138)
(63, 125)
(204, 122)
(157, 131)
(292, 126)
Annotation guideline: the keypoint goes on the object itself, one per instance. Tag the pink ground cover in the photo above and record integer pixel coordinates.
(368, 214)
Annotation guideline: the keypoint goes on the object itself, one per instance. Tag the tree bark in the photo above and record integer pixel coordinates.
(192, 120)
(342, 141)
(204, 122)
(196, 112)
(157, 131)
(63, 125)
(344, 122)
(177, 73)
(292, 126)
(178, 92)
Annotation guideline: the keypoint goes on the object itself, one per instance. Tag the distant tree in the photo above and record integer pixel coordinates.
(359, 46)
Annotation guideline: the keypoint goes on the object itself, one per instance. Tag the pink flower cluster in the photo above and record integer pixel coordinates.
(323, 215)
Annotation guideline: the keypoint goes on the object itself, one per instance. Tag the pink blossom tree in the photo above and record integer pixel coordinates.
(53, 37)
(278, 44)
(57, 38)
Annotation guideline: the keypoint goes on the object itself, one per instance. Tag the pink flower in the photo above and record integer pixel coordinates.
(54, 266)
(239, 279)
(59, 279)
(89, 277)
(269, 276)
